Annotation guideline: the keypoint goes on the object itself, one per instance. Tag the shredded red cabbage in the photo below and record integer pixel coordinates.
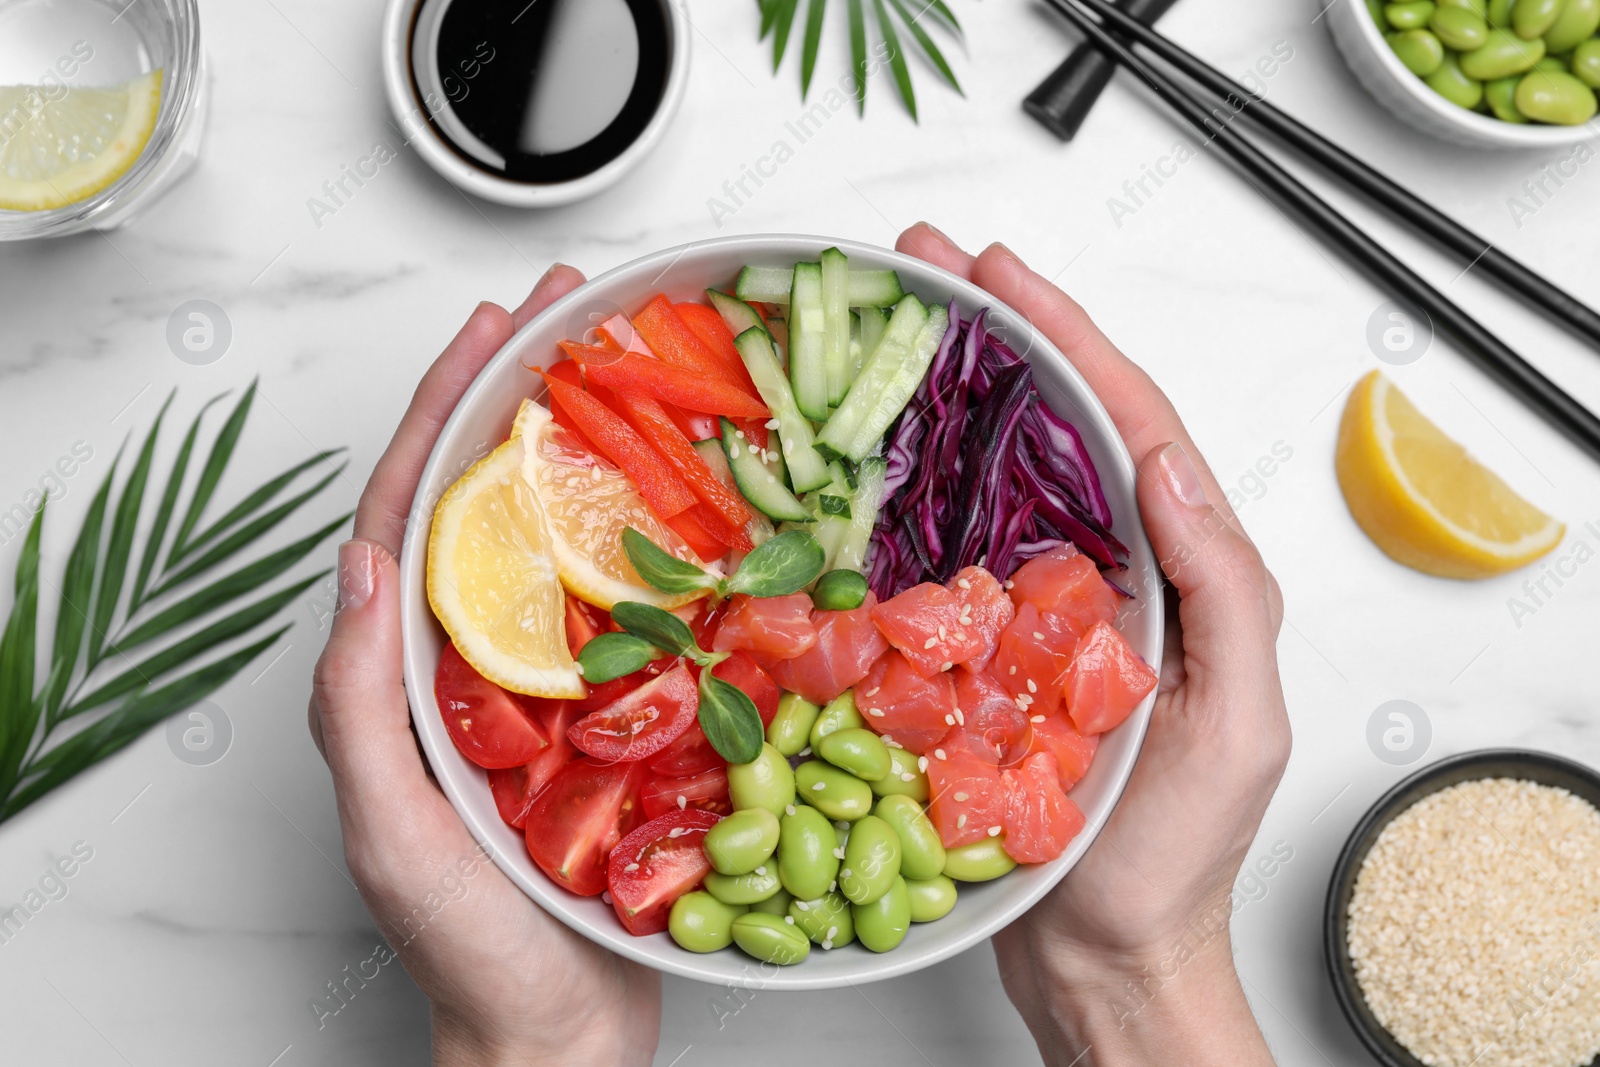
(980, 470)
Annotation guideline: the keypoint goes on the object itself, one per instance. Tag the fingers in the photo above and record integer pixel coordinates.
(557, 282)
(382, 513)
(359, 712)
(1224, 589)
(927, 243)
(1143, 414)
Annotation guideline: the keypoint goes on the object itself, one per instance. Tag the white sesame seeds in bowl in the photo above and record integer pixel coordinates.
(483, 418)
(1463, 919)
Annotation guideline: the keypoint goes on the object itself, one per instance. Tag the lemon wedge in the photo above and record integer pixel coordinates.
(1423, 499)
(58, 152)
(492, 580)
(589, 503)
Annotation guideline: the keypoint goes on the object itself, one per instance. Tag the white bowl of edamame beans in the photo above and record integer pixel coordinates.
(484, 417)
(1480, 73)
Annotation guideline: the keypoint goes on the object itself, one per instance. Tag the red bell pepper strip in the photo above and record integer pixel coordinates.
(566, 370)
(696, 531)
(670, 338)
(687, 389)
(660, 486)
(619, 332)
(733, 536)
(655, 425)
(707, 325)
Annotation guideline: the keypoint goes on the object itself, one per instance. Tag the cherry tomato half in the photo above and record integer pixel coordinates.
(639, 724)
(578, 819)
(655, 865)
(490, 726)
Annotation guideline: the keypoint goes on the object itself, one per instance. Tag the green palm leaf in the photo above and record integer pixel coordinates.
(169, 502)
(858, 53)
(897, 59)
(782, 22)
(211, 473)
(925, 42)
(87, 633)
(808, 48)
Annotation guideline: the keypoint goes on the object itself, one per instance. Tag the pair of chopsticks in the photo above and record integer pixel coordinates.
(1108, 29)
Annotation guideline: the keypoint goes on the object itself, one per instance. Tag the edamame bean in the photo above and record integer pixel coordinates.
(921, 851)
(1459, 28)
(981, 861)
(833, 792)
(826, 920)
(1578, 21)
(1499, 13)
(1550, 65)
(1419, 50)
(1502, 55)
(1531, 18)
(1479, 8)
(1586, 63)
(882, 924)
(930, 899)
(790, 730)
(904, 777)
(777, 904)
(1454, 86)
(1409, 14)
(700, 922)
(858, 751)
(1560, 99)
(743, 841)
(808, 853)
(751, 888)
(871, 861)
(765, 782)
(771, 938)
(1502, 97)
(840, 714)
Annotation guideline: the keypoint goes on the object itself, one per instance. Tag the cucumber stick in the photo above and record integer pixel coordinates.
(871, 322)
(807, 372)
(890, 377)
(756, 482)
(835, 270)
(738, 315)
(807, 469)
(772, 285)
(845, 538)
(759, 528)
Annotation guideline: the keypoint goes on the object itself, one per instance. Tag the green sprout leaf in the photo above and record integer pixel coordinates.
(614, 655)
(730, 719)
(661, 629)
(779, 566)
(662, 570)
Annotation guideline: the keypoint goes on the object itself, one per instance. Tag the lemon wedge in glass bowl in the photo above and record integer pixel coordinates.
(56, 152)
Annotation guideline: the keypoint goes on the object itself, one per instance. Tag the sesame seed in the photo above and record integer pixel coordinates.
(788, 809)
(922, 763)
(1013, 669)
(804, 751)
(961, 720)
(630, 868)
(965, 620)
(994, 831)
(739, 434)
(838, 853)
(772, 424)
(949, 720)
(580, 668)
(961, 798)
(1021, 702)
(938, 753)
(683, 802)
(677, 831)
(872, 692)
(1010, 584)
(891, 742)
(946, 665)
(789, 919)
(943, 635)
(733, 451)
(1025, 700)
(844, 872)
(833, 886)
(802, 905)
(833, 932)
(961, 822)
(876, 713)
(819, 787)
(962, 583)
(1032, 686)
(929, 643)
(1036, 718)
(827, 942)
(907, 776)
(1037, 636)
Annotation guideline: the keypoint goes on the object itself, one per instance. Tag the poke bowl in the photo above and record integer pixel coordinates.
(926, 432)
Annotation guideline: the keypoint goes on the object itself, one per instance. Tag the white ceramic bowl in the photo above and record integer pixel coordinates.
(1382, 74)
(483, 419)
(411, 112)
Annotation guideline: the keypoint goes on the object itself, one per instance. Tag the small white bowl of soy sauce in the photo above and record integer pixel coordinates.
(534, 103)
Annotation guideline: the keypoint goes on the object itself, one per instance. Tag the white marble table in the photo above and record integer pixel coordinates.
(215, 905)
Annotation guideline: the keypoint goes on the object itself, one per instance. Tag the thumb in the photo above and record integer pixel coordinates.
(359, 713)
(1224, 589)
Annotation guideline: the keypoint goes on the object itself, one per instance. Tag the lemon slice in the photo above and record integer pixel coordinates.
(1423, 499)
(61, 151)
(589, 503)
(492, 581)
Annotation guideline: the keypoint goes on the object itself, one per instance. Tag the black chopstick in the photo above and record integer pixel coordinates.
(1565, 308)
(1482, 346)
(1064, 99)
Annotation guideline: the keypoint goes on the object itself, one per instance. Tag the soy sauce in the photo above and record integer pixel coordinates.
(540, 91)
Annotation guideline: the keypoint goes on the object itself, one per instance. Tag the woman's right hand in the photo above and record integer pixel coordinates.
(1129, 959)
